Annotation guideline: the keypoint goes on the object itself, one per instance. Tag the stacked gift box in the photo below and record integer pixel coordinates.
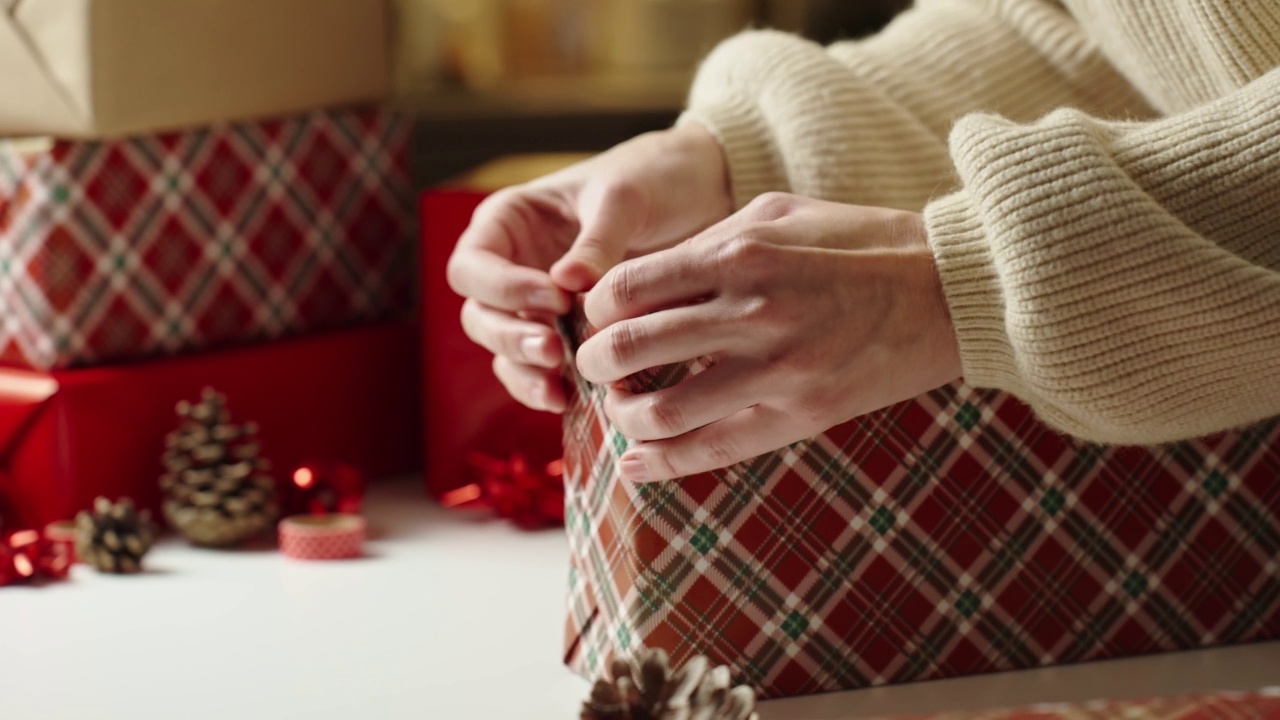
(197, 196)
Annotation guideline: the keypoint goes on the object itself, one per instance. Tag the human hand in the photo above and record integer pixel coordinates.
(529, 246)
(813, 313)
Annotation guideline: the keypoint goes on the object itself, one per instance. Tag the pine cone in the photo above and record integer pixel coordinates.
(694, 692)
(114, 537)
(215, 491)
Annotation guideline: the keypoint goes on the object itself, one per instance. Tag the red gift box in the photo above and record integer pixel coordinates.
(160, 244)
(468, 413)
(950, 535)
(68, 436)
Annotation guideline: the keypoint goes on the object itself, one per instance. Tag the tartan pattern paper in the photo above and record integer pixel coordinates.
(950, 535)
(1262, 705)
(239, 232)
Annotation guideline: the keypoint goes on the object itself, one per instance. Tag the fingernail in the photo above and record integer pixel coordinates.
(633, 470)
(545, 299)
(531, 348)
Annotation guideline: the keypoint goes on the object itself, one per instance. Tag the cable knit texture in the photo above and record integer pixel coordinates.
(1100, 181)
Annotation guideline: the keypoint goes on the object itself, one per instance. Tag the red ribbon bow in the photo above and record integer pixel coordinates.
(25, 556)
(531, 497)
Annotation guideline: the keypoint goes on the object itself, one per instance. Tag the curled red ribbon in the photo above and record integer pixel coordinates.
(26, 556)
(531, 497)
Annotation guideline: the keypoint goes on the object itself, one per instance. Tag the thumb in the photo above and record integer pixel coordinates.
(608, 227)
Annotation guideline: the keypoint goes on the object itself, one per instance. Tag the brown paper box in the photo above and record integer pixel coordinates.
(95, 68)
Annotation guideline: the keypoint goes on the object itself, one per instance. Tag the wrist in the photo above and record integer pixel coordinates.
(703, 157)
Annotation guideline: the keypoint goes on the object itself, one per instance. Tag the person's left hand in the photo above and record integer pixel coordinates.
(813, 313)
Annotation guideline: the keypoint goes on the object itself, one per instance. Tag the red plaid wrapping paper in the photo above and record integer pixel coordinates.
(165, 243)
(950, 535)
(1263, 705)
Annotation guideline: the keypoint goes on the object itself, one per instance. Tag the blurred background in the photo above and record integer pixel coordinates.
(493, 77)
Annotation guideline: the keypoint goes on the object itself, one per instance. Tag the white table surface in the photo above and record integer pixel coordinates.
(448, 617)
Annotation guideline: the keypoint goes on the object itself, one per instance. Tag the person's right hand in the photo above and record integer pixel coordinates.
(528, 247)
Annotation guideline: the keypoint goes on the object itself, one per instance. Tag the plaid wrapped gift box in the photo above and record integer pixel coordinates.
(950, 535)
(1262, 705)
(164, 243)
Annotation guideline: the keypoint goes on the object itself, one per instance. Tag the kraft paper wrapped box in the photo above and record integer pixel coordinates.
(92, 69)
(950, 535)
(67, 436)
(160, 244)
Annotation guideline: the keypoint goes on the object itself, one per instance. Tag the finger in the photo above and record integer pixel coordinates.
(610, 218)
(700, 400)
(499, 283)
(501, 333)
(741, 436)
(533, 387)
(646, 284)
(482, 265)
(661, 338)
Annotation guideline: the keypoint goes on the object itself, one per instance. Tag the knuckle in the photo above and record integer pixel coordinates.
(771, 206)
(497, 202)
(745, 253)
(622, 284)
(721, 451)
(617, 192)
(664, 415)
(811, 408)
(624, 342)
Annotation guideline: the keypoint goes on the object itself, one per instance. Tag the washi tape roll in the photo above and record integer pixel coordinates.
(322, 537)
(62, 533)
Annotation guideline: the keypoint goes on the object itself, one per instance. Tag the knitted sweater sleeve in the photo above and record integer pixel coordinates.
(1121, 277)
(866, 121)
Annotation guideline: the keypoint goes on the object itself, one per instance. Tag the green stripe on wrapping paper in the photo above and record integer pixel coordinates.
(1010, 645)
(882, 520)
(968, 416)
(1175, 535)
(1215, 484)
(703, 540)
(747, 583)
(1171, 622)
(1052, 502)
(1255, 525)
(624, 637)
(1247, 616)
(967, 604)
(794, 625)
(661, 500)
(618, 442)
(1135, 584)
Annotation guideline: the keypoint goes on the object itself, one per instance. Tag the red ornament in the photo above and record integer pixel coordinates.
(62, 535)
(25, 556)
(324, 487)
(530, 496)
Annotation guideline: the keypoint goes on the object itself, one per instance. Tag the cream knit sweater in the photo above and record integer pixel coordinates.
(1110, 243)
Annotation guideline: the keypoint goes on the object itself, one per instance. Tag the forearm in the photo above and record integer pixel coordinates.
(1123, 278)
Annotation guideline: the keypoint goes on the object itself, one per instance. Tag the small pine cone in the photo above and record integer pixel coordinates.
(215, 490)
(694, 692)
(114, 536)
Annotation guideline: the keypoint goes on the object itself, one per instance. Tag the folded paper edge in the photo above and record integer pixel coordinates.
(27, 75)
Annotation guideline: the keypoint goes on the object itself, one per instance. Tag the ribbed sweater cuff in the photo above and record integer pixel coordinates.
(973, 292)
(744, 134)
